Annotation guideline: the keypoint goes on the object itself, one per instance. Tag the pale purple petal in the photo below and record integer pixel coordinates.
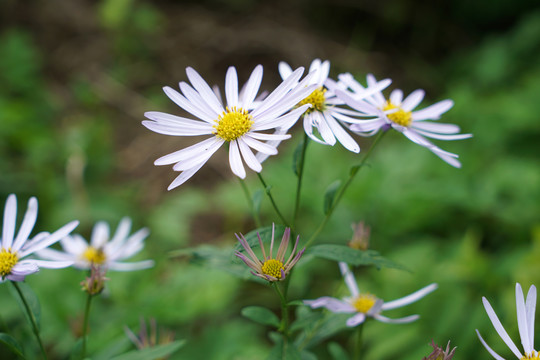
(403, 320)
(332, 304)
(27, 225)
(349, 279)
(10, 214)
(413, 100)
(356, 320)
(415, 296)
(433, 112)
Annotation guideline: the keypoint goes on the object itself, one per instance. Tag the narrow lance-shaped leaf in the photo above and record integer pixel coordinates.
(330, 194)
(12, 344)
(261, 315)
(152, 353)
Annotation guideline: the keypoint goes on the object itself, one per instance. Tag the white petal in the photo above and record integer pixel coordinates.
(436, 127)
(184, 176)
(278, 135)
(200, 157)
(332, 304)
(251, 88)
(119, 266)
(279, 92)
(189, 152)
(27, 225)
(530, 305)
(325, 131)
(500, 329)
(204, 90)
(185, 104)
(434, 111)
(100, 234)
(284, 70)
(178, 130)
(308, 128)
(235, 160)
(356, 320)
(415, 296)
(396, 97)
(490, 350)
(50, 239)
(121, 233)
(284, 121)
(248, 156)
(200, 102)
(51, 254)
(23, 268)
(260, 146)
(403, 320)
(349, 279)
(444, 137)
(51, 264)
(413, 100)
(343, 137)
(368, 125)
(169, 119)
(10, 214)
(231, 87)
(74, 244)
(522, 320)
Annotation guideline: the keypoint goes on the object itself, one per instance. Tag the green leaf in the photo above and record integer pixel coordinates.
(12, 344)
(76, 353)
(283, 350)
(31, 299)
(308, 320)
(297, 156)
(295, 303)
(337, 351)
(328, 327)
(257, 200)
(261, 315)
(152, 353)
(330, 195)
(352, 256)
(117, 347)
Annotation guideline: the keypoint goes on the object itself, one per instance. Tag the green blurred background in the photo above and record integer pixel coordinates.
(77, 76)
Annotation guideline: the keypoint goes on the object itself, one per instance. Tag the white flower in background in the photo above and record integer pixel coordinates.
(399, 114)
(242, 121)
(325, 113)
(364, 305)
(103, 250)
(15, 248)
(525, 317)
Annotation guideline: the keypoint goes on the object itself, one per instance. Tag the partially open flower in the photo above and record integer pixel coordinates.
(95, 283)
(440, 354)
(270, 268)
(147, 338)
(360, 239)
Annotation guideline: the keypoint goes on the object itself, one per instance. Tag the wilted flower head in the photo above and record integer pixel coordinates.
(366, 305)
(270, 268)
(95, 283)
(14, 248)
(147, 338)
(103, 250)
(525, 317)
(440, 354)
(360, 239)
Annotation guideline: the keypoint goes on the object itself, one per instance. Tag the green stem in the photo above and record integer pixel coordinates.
(284, 327)
(85, 324)
(358, 348)
(300, 176)
(341, 192)
(250, 203)
(31, 317)
(269, 194)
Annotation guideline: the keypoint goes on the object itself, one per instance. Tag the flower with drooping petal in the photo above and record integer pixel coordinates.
(102, 250)
(270, 268)
(439, 353)
(366, 305)
(399, 114)
(525, 316)
(326, 113)
(14, 248)
(241, 122)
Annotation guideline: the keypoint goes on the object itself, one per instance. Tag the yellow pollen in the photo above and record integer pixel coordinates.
(7, 261)
(400, 117)
(316, 99)
(533, 356)
(232, 124)
(273, 268)
(364, 302)
(93, 255)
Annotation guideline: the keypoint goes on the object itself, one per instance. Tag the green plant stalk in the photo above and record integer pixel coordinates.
(85, 324)
(284, 327)
(352, 174)
(249, 199)
(358, 348)
(300, 176)
(269, 194)
(31, 317)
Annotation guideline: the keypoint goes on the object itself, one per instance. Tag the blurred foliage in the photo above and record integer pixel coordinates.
(73, 139)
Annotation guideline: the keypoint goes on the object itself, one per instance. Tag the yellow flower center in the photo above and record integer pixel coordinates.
(7, 261)
(400, 117)
(273, 268)
(95, 256)
(232, 124)
(316, 99)
(533, 356)
(364, 302)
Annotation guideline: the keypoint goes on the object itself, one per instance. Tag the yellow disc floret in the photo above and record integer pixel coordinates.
(233, 123)
(273, 268)
(316, 99)
(364, 302)
(7, 261)
(94, 256)
(400, 117)
(533, 356)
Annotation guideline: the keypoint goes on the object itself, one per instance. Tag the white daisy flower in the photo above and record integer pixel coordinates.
(364, 305)
(241, 122)
(103, 250)
(14, 248)
(325, 113)
(525, 317)
(398, 113)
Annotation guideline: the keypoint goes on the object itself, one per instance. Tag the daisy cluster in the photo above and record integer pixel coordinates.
(252, 124)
